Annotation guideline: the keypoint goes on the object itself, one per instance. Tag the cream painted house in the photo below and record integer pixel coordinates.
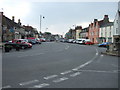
(106, 33)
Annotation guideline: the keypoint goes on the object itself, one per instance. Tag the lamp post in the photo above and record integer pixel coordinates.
(41, 21)
(40, 25)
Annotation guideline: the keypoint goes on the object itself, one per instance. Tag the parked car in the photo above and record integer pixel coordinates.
(89, 43)
(38, 41)
(82, 41)
(32, 41)
(23, 43)
(74, 41)
(70, 40)
(43, 39)
(105, 44)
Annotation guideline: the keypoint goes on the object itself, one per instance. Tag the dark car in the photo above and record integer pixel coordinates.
(32, 41)
(38, 41)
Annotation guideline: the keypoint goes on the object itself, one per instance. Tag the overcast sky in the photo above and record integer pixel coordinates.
(59, 16)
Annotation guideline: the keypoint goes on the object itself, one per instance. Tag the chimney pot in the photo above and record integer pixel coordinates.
(105, 16)
(13, 18)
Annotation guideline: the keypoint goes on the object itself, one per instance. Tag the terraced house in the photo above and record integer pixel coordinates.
(100, 31)
(12, 30)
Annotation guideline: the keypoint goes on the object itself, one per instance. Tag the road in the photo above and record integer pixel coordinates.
(59, 65)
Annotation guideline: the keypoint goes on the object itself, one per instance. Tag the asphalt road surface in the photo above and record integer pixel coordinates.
(59, 65)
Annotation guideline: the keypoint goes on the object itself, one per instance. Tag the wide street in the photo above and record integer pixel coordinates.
(59, 65)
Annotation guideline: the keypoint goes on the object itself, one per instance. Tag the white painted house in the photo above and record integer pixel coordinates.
(106, 33)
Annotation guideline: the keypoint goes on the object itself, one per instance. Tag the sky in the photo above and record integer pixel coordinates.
(60, 15)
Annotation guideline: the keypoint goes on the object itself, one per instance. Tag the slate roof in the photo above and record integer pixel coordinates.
(9, 23)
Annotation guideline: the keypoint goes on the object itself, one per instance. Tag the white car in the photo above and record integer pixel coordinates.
(70, 40)
(81, 41)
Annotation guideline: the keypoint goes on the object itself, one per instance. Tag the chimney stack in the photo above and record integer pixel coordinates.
(105, 16)
(106, 19)
(19, 22)
(13, 18)
(95, 20)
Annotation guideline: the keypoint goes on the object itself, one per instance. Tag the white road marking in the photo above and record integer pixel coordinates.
(75, 74)
(102, 55)
(60, 80)
(41, 85)
(67, 47)
(66, 72)
(50, 77)
(83, 65)
(8, 86)
(96, 53)
(28, 82)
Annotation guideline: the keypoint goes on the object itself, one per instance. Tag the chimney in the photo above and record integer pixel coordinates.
(105, 16)
(1, 13)
(19, 22)
(13, 18)
(95, 20)
(106, 19)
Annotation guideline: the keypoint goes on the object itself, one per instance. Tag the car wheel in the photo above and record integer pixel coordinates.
(23, 47)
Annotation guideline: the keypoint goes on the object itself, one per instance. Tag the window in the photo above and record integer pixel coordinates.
(116, 30)
(116, 21)
(101, 34)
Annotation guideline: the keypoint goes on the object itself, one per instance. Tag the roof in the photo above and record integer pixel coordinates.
(107, 24)
(9, 23)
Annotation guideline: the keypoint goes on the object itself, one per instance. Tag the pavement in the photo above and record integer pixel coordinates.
(112, 53)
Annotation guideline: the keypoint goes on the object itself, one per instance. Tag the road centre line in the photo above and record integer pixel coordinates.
(60, 80)
(67, 47)
(40, 85)
(50, 77)
(75, 74)
(81, 66)
(66, 72)
(28, 82)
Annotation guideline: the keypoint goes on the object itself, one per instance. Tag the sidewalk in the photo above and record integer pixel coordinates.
(112, 53)
(1, 45)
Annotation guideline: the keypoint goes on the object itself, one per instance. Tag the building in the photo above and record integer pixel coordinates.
(94, 29)
(84, 33)
(116, 29)
(106, 33)
(1, 26)
(78, 29)
(12, 30)
(68, 35)
(116, 33)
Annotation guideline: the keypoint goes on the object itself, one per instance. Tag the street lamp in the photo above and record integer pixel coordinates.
(41, 21)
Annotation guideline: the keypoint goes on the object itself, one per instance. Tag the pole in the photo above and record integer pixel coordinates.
(40, 22)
